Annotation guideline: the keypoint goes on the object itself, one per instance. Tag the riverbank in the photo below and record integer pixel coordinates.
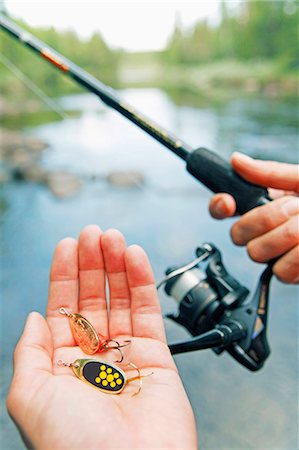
(217, 81)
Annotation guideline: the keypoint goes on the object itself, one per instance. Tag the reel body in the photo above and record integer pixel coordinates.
(216, 309)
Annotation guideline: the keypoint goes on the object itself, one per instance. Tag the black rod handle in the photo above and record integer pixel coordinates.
(218, 176)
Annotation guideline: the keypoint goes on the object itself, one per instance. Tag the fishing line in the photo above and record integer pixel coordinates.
(33, 87)
(153, 193)
(55, 107)
(206, 166)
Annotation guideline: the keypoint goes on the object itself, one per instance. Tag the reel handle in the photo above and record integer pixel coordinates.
(217, 174)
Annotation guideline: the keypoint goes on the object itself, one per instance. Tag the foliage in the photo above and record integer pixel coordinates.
(257, 30)
(255, 34)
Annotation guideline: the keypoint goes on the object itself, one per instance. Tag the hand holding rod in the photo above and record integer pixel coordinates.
(207, 167)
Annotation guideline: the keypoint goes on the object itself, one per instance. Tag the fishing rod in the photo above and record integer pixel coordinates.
(206, 166)
(213, 306)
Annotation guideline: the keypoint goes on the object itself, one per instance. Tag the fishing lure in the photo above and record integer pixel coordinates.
(88, 339)
(106, 377)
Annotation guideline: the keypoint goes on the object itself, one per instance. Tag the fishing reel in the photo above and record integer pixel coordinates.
(216, 309)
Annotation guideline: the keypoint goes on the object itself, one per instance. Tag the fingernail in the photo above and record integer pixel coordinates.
(220, 208)
(291, 207)
(242, 157)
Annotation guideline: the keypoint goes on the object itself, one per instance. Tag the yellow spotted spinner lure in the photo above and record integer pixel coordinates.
(105, 377)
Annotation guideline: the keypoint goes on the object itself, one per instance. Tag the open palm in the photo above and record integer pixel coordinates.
(54, 409)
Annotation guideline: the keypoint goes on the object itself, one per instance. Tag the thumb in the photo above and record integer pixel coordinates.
(34, 349)
(267, 173)
(32, 363)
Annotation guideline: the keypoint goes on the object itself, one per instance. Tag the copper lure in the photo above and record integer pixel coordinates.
(88, 339)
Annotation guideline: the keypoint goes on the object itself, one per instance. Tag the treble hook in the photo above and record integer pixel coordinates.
(138, 377)
(117, 347)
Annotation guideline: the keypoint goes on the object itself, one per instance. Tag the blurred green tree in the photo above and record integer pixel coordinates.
(256, 30)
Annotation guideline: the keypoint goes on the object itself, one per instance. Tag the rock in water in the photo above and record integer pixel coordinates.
(126, 179)
(63, 184)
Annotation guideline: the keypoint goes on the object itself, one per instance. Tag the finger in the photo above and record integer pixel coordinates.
(92, 295)
(114, 248)
(32, 364)
(287, 267)
(278, 193)
(63, 291)
(276, 242)
(145, 307)
(222, 206)
(263, 219)
(267, 173)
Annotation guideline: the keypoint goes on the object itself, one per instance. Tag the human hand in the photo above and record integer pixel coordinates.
(272, 230)
(55, 410)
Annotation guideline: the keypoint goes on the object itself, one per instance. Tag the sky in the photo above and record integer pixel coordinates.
(133, 25)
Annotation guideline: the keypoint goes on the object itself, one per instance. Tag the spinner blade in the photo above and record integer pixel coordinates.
(105, 377)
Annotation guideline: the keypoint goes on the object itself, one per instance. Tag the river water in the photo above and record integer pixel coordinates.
(168, 217)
